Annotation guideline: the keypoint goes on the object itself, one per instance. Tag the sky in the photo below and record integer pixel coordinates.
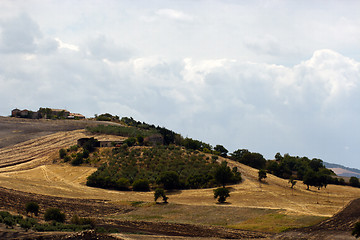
(267, 76)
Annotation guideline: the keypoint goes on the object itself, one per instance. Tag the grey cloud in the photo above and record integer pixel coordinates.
(103, 48)
(18, 35)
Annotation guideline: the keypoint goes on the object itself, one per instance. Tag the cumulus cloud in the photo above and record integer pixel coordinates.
(214, 76)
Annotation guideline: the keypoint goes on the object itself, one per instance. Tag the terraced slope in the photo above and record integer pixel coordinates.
(37, 151)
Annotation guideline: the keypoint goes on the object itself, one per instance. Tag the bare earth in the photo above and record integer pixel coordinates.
(27, 171)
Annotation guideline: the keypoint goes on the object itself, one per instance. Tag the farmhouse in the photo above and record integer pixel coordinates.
(75, 116)
(47, 113)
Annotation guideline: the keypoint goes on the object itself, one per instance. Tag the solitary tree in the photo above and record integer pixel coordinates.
(292, 181)
(159, 192)
(32, 207)
(262, 174)
(221, 194)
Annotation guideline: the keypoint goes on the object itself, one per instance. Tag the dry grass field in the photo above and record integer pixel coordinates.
(29, 166)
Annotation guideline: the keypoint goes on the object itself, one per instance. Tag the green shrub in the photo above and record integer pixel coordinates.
(159, 192)
(141, 185)
(74, 148)
(32, 207)
(123, 184)
(131, 141)
(67, 158)
(54, 214)
(356, 230)
(82, 221)
(221, 194)
(78, 160)
(62, 153)
(9, 221)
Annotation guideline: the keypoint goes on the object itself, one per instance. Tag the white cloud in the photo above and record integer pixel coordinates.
(174, 14)
(67, 45)
(232, 73)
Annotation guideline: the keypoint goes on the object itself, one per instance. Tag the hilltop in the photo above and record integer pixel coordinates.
(32, 170)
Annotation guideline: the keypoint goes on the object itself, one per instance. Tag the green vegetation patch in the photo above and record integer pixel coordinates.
(278, 222)
(121, 131)
(169, 166)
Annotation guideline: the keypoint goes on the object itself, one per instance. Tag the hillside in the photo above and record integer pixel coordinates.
(343, 171)
(27, 169)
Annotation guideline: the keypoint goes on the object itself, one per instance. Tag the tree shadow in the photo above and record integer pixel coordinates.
(173, 192)
(224, 203)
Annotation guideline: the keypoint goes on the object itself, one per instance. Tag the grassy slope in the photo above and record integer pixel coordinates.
(273, 205)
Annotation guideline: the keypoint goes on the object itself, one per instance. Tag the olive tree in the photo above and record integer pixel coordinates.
(221, 194)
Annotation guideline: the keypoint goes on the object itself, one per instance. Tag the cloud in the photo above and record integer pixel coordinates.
(103, 48)
(68, 46)
(281, 77)
(19, 34)
(174, 14)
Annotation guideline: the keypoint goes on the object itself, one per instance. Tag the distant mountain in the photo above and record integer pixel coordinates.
(343, 171)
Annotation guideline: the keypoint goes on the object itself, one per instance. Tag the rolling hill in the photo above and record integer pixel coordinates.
(30, 170)
(343, 171)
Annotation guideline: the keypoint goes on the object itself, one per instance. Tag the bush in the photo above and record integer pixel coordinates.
(123, 184)
(67, 158)
(78, 160)
(32, 207)
(82, 221)
(159, 192)
(9, 221)
(131, 141)
(62, 153)
(356, 230)
(54, 214)
(221, 193)
(141, 185)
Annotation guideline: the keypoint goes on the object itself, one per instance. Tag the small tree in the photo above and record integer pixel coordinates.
(292, 181)
(159, 192)
(54, 214)
(221, 193)
(356, 230)
(262, 174)
(221, 150)
(32, 207)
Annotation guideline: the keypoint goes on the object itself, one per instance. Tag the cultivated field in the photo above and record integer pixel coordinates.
(28, 169)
